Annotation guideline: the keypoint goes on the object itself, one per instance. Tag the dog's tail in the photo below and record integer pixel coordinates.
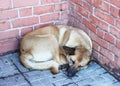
(27, 61)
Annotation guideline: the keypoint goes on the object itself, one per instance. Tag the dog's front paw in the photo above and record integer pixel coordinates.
(54, 70)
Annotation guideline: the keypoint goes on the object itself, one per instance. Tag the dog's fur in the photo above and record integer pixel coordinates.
(55, 45)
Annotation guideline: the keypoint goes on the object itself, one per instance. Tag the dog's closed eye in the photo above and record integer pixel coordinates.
(73, 62)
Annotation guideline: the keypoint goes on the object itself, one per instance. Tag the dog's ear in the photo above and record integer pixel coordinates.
(83, 51)
(69, 50)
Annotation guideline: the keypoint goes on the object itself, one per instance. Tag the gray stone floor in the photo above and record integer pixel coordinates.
(12, 73)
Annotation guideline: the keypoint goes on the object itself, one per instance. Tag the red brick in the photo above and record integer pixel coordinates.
(96, 46)
(9, 45)
(118, 43)
(75, 1)
(25, 21)
(100, 33)
(43, 9)
(117, 60)
(104, 6)
(99, 23)
(49, 17)
(114, 49)
(118, 23)
(26, 12)
(109, 38)
(104, 16)
(115, 31)
(103, 60)
(89, 25)
(4, 25)
(43, 25)
(98, 40)
(5, 4)
(61, 6)
(64, 15)
(115, 2)
(100, 4)
(106, 53)
(48, 1)
(79, 2)
(82, 11)
(114, 11)
(94, 2)
(65, 6)
(87, 7)
(26, 30)
(7, 14)
(23, 3)
(9, 34)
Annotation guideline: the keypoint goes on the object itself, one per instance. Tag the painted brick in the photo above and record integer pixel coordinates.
(26, 30)
(43, 9)
(104, 16)
(115, 2)
(23, 3)
(109, 38)
(118, 23)
(9, 34)
(5, 4)
(89, 25)
(26, 12)
(99, 23)
(114, 11)
(9, 45)
(8, 14)
(118, 43)
(48, 1)
(25, 21)
(115, 31)
(49, 17)
(4, 25)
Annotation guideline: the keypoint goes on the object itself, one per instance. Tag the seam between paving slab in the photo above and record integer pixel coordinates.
(22, 74)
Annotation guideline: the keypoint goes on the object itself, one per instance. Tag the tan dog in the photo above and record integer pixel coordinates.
(48, 48)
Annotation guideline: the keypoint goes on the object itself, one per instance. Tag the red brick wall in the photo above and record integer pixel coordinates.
(17, 17)
(101, 20)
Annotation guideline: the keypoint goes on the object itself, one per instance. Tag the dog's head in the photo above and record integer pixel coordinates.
(79, 60)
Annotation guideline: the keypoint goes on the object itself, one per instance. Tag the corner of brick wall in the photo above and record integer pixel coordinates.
(18, 17)
(101, 20)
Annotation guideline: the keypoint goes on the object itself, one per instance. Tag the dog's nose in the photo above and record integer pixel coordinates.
(71, 72)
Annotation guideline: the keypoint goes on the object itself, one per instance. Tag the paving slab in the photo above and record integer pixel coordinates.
(13, 73)
(16, 80)
(7, 68)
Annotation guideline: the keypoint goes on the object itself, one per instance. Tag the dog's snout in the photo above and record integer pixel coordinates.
(71, 71)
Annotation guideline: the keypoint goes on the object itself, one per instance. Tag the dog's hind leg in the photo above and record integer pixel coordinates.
(27, 61)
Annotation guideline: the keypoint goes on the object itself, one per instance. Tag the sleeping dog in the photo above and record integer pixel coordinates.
(52, 46)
